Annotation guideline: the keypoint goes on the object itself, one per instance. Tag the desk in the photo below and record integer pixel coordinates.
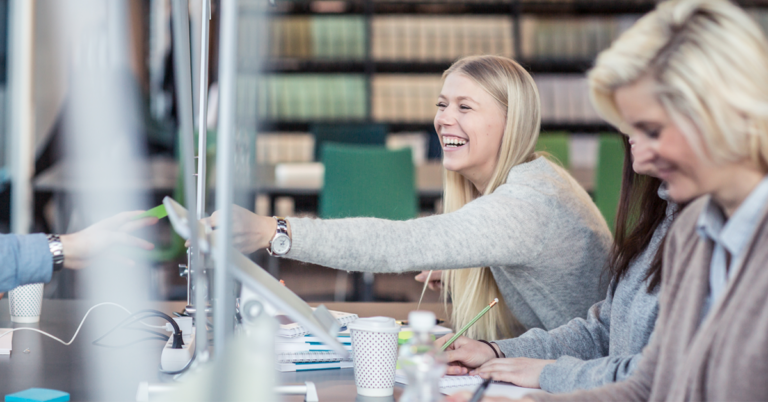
(50, 364)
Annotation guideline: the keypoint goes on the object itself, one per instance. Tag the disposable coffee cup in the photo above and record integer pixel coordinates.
(374, 350)
(26, 303)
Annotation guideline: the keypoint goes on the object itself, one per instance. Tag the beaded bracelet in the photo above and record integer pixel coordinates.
(490, 346)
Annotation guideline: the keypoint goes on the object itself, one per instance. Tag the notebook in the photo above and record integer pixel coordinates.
(308, 357)
(451, 384)
(293, 347)
(495, 389)
(6, 342)
(314, 366)
(290, 329)
(449, 381)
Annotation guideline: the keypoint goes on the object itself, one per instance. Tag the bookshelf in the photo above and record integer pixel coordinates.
(381, 61)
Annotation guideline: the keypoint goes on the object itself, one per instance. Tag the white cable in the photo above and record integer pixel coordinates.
(78, 327)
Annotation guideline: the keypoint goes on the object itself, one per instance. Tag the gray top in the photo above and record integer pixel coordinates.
(540, 233)
(606, 346)
(729, 236)
(24, 259)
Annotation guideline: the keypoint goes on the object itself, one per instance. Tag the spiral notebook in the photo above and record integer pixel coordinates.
(449, 381)
(290, 329)
(308, 357)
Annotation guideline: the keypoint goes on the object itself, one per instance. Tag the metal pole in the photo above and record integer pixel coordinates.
(224, 308)
(21, 152)
(202, 135)
(183, 80)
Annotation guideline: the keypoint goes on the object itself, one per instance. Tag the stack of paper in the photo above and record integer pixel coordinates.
(297, 350)
(6, 342)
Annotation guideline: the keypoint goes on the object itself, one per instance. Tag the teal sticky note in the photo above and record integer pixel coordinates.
(158, 212)
(38, 395)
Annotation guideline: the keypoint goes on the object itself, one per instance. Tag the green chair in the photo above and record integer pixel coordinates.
(557, 145)
(608, 176)
(348, 133)
(367, 181)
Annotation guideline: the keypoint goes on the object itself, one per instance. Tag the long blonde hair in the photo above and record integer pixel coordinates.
(707, 59)
(513, 88)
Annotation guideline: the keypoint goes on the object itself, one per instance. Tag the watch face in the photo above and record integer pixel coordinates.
(281, 244)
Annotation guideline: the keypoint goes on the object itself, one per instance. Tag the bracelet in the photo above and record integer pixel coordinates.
(490, 346)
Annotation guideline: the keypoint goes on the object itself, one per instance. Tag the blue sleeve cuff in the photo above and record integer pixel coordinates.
(28, 258)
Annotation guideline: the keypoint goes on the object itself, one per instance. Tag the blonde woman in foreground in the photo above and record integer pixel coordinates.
(691, 77)
(529, 234)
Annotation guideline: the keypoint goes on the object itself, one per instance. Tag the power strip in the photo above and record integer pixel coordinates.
(174, 360)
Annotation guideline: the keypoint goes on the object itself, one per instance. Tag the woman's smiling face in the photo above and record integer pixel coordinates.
(668, 154)
(470, 124)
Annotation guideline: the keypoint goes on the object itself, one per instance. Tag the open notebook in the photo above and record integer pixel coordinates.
(454, 383)
(448, 381)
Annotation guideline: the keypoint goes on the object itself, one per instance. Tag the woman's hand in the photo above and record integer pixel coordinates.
(80, 247)
(250, 232)
(464, 396)
(465, 354)
(435, 280)
(520, 371)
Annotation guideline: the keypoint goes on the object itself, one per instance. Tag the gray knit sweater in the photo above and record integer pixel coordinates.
(605, 347)
(542, 236)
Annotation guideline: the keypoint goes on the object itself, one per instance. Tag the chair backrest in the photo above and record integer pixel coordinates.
(348, 133)
(608, 175)
(557, 144)
(368, 181)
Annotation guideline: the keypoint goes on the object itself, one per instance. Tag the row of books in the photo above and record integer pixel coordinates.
(570, 38)
(273, 148)
(405, 97)
(412, 98)
(431, 38)
(303, 37)
(422, 37)
(301, 97)
(408, 98)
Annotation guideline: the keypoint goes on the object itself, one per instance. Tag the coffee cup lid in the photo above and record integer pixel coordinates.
(375, 324)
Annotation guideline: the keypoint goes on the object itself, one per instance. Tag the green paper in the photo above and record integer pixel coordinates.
(158, 212)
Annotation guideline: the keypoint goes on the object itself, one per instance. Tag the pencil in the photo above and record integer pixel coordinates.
(469, 324)
(481, 390)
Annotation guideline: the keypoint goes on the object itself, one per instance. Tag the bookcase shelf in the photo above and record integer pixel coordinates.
(386, 57)
(299, 126)
(288, 66)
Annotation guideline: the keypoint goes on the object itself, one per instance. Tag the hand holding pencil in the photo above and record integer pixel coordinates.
(464, 354)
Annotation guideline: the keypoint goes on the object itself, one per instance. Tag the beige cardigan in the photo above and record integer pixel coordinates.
(723, 359)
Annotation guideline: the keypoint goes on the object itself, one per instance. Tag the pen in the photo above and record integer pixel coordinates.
(478, 395)
(469, 324)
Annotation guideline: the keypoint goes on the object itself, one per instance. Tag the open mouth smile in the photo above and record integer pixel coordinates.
(452, 142)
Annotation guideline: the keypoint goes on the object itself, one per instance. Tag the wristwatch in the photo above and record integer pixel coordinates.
(57, 250)
(281, 242)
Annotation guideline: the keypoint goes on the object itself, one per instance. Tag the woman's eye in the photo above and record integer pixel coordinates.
(654, 134)
(440, 104)
(465, 107)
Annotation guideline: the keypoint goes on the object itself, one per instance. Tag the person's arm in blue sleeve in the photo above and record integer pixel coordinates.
(25, 259)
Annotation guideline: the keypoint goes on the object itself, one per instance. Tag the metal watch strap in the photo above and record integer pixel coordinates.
(57, 251)
(282, 227)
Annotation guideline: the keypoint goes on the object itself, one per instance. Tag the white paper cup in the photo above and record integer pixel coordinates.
(374, 350)
(26, 302)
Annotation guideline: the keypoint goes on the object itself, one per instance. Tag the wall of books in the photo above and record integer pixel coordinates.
(382, 60)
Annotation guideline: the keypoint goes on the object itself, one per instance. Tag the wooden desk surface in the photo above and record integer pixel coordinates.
(88, 372)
